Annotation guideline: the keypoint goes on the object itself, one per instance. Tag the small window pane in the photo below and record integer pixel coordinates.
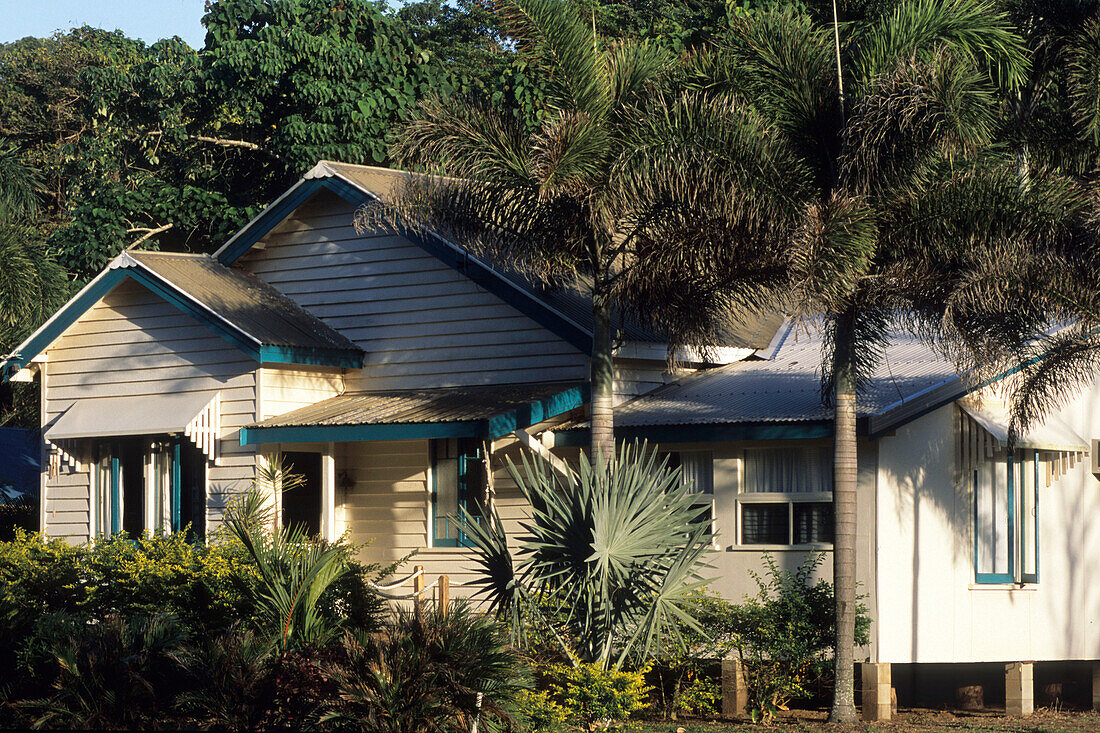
(991, 484)
(765, 524)
(813, 522)
(445, 474)
(697, 471)
(1029, 511)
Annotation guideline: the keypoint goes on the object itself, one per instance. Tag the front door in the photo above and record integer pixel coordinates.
(302, 503)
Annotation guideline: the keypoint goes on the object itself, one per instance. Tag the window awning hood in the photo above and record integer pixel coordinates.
(1052, 435)
(194, 414)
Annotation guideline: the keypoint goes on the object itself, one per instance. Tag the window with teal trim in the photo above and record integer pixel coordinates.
(149, 484)
(1006, 512)
(459, 481)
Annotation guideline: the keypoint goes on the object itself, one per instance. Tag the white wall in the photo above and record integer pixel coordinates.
(929, 608)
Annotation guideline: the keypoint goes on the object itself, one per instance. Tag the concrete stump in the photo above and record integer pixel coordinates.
(970, 697)
(1020, 689)
(877, 692)
(735, 693)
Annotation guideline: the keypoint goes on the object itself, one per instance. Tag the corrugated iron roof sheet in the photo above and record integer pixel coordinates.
(788, 387)
(406, 406)
(244, 301)
(569, 300)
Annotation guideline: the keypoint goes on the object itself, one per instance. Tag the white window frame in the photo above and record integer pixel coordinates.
(788, 498)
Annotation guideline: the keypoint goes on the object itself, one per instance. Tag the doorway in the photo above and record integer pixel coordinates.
(302, 504)
(131, 463)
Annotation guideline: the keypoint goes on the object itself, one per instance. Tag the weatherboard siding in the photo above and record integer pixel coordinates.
(285, 388)
(420, 322)
(132, 343)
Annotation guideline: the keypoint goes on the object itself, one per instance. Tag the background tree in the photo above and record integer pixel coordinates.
(917, 92)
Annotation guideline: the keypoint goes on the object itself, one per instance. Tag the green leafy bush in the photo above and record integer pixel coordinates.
(229, 680)
(596, 697)
(785, 635)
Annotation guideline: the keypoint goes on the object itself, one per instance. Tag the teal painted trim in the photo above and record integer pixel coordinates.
(99, 288)
(68, 314)
(177, 488)
(733, 432)
(268, 220)
(512, 294)
(981, 578)
(344, 358)
(538, 411)
(116, 494)
(354, 433)
(1032, 577)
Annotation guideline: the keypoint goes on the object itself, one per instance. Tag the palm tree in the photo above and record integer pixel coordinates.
(880, 113)
(607, 561)
(575, 202)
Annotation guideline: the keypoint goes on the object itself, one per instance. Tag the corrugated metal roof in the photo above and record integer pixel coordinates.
(571, 301)
(787, 388)
(407, 406)
(245, 301)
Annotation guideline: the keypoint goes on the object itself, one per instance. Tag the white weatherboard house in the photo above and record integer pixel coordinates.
(395, 372)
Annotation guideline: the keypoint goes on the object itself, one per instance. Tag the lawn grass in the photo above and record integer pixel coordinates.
(908, 721)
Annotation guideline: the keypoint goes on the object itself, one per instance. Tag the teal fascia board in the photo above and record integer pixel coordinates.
(354, 433)
(67, 316)
(734, 432)
(269, 219)
(536, 412)
(510, 293)
(318, 357)
(266, 354)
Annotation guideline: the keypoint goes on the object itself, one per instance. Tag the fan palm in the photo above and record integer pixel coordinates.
(612, 166)
(911, 112)
(616, 551)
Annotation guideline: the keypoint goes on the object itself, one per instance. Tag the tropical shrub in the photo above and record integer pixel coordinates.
(293, 569)
(229, 681)
(115, 674)
(785, 635)
(596, 697)
(438, 669)
(686, 678)
(609, 549)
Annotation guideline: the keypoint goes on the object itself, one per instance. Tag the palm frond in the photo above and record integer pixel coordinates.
(919, 112)
(975, 30)
(580, 80)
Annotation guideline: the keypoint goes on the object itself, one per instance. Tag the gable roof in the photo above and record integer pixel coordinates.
(245, 311)
(781, 398)
(566, 311)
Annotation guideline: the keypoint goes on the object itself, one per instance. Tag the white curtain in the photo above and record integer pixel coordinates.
(788, 470)
(991, 495)
(697, 471)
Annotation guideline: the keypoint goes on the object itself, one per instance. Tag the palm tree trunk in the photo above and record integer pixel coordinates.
(844, 503)
(603, 376)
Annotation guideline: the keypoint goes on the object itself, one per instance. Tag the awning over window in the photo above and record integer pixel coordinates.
(194, 414)
(1052, 435)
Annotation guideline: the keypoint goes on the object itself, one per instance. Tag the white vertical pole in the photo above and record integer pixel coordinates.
(150, 491)
(328, 493)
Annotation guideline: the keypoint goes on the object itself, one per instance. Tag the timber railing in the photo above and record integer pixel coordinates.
(440, 589)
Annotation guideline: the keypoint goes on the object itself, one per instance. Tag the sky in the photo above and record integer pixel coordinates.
(149, 20)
